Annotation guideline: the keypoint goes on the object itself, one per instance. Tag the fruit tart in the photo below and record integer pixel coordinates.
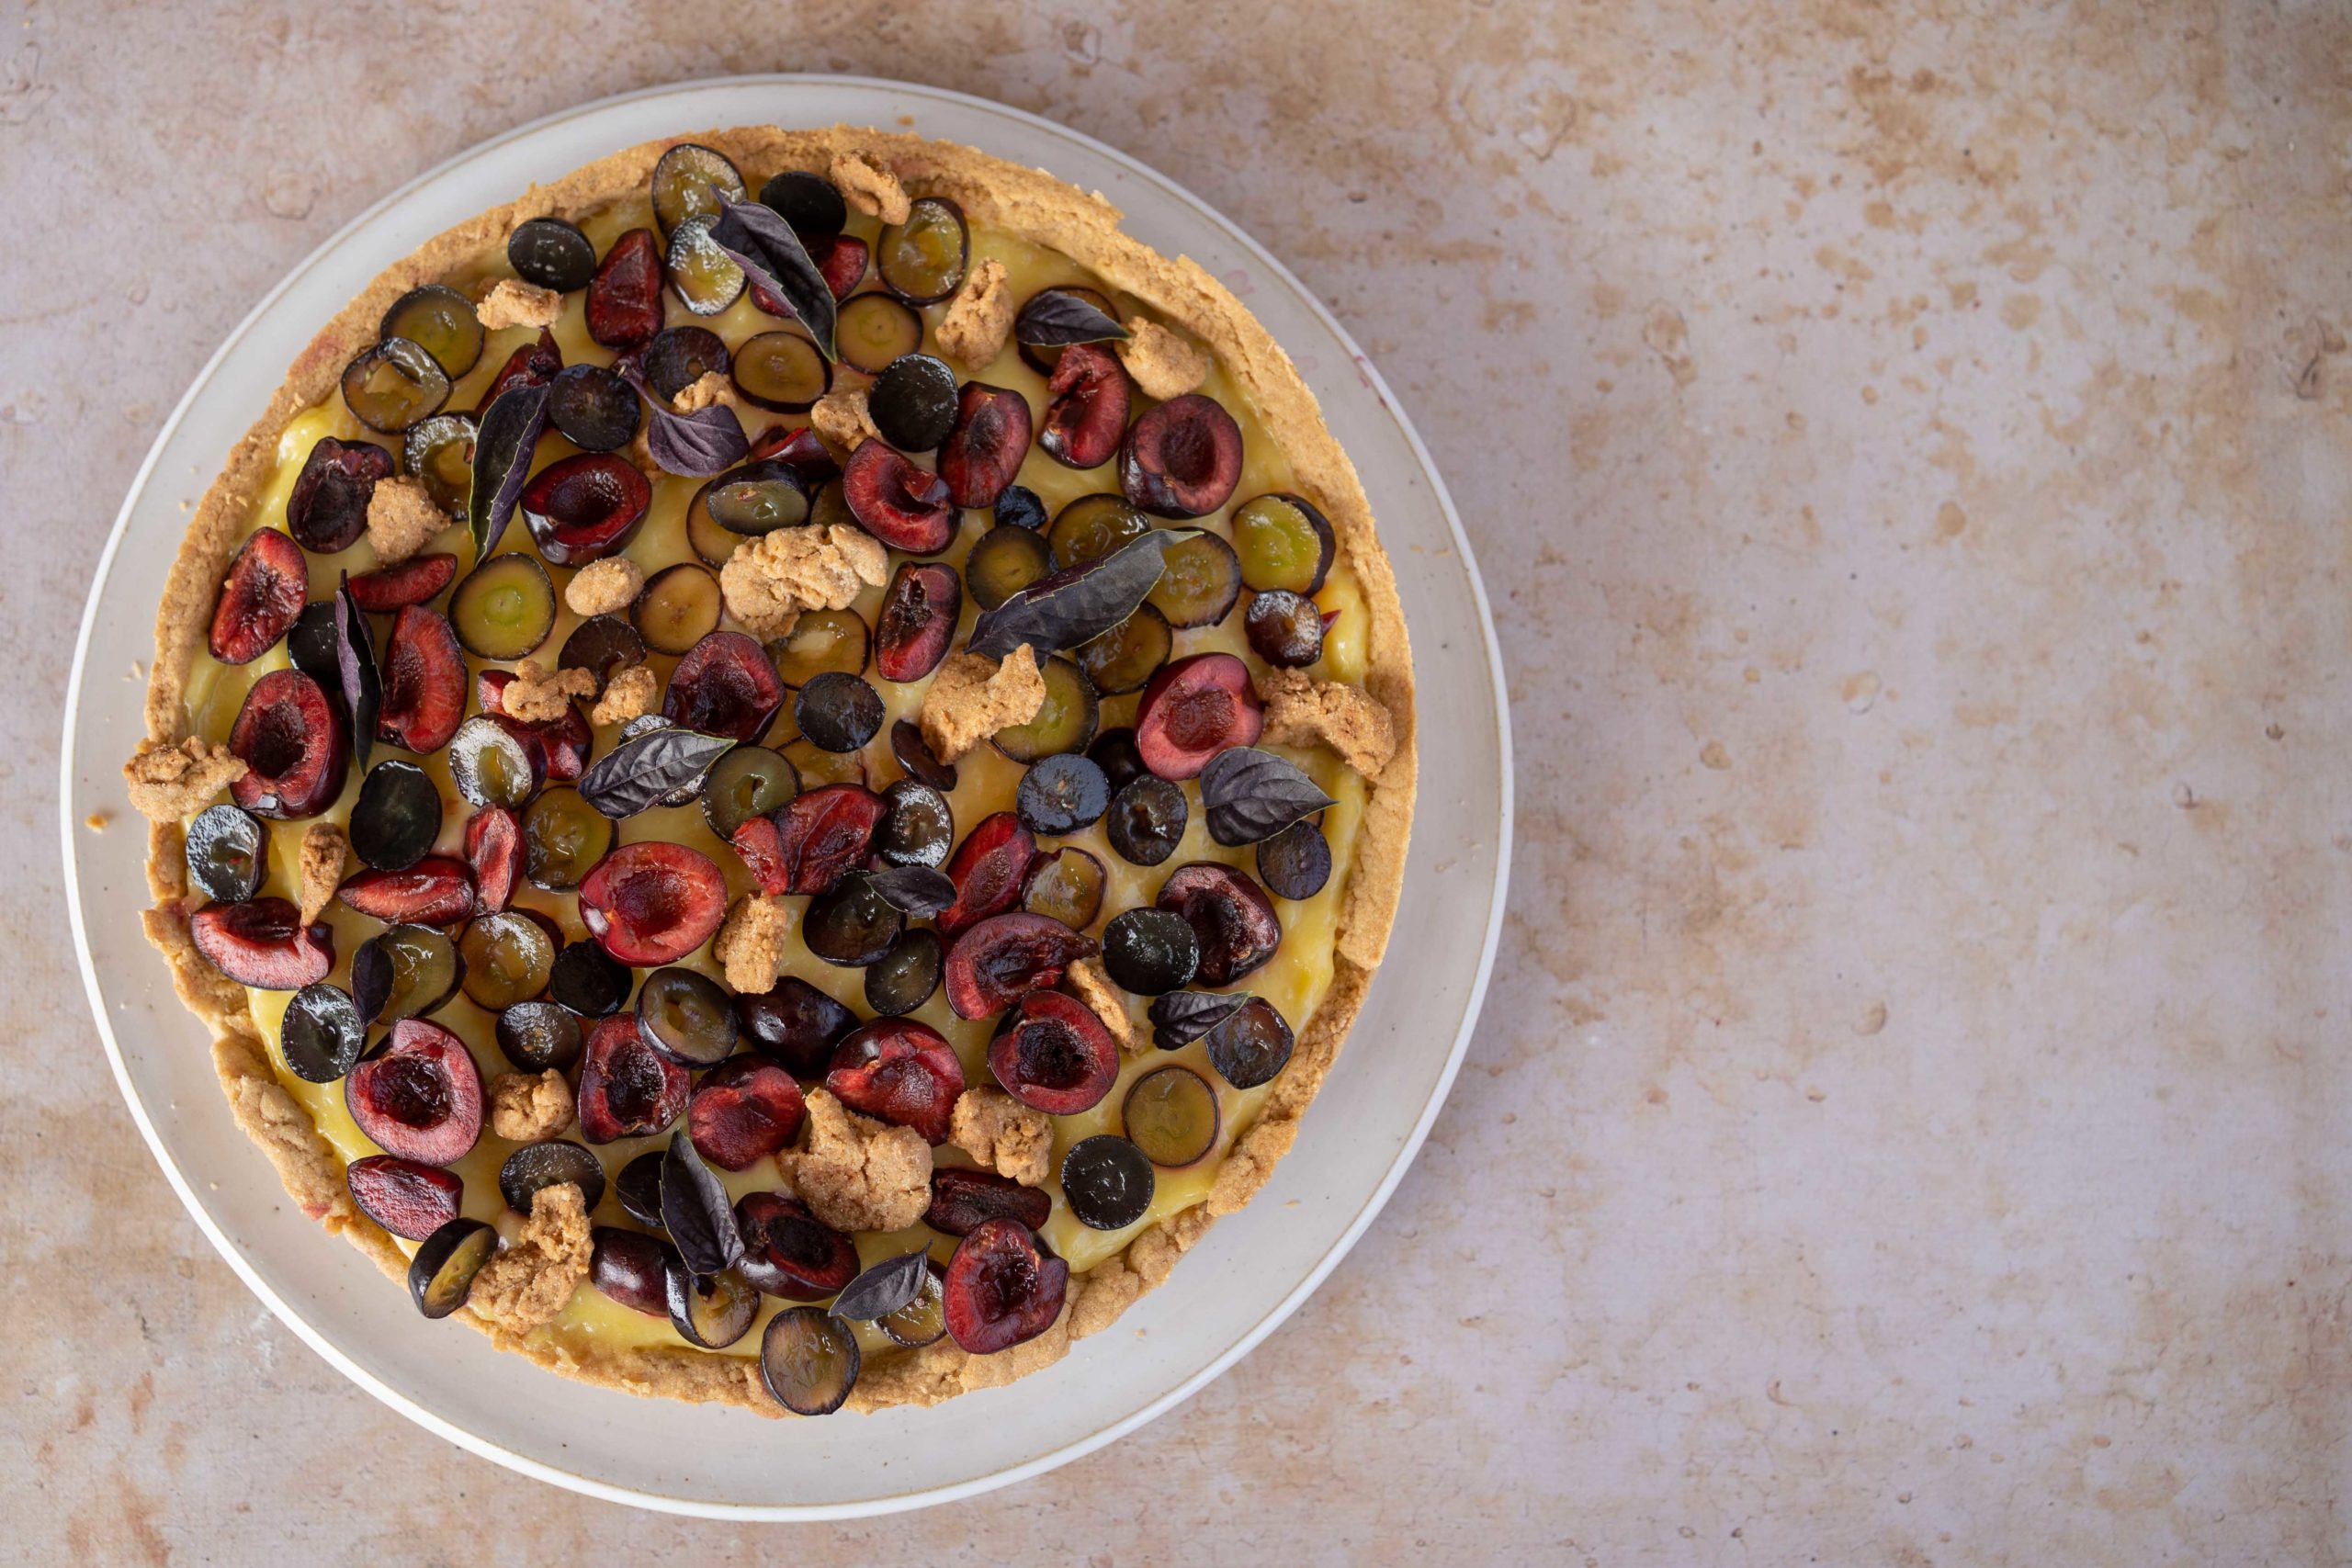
(779, 769)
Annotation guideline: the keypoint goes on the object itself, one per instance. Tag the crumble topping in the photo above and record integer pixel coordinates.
(537, 696)
(168, 782)
(1004, 1135)
(873, 190)
(859, 1174)
(631, 693)
(770, 580)
(1303, 711)
(527, 1283)
(1163, 364)
(841, 418)
(707, 390)
(979, 319)
(512, 302)
(973, 697)
(605, 587)
(401, 519)
(526, 1107)
(324, 847)
(750, 945)
(1091, 984)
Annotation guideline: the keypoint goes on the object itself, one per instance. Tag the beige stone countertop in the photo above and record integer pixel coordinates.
(1909, 449)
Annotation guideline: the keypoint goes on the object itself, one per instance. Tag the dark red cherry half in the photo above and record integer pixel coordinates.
(789, 1252)
(653, 903)
(983, 450)
(800, 450)
(585, 507)
(1089, 411)
(418, 1097)
(437, 891)
(627, 1089)
(901, 1071)
(742, 1111)
(1052, 1054)
(293, 746)
(410, 1200)
(819, 838)
(412, 581)
(1229, 912)
(493, 848)
(424, 681)
(624, 306)
(963, 1201)
(987, 869)
(1183, 458)
(327, 509)
(533, 365)
(1001, 1287)
(268, 583)
(1005, 957)
(918, 620)
(262, 943)
(1194, 709)
(632, 1268)
(906, 507)
(727, 686)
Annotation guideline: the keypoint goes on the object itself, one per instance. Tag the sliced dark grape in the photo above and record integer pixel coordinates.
(691, 180)
(755, 499)
(505, 607)
(1066, 723)
(907, 975)
(409, 1200)
(1171, 1115)
(442, 1273)
(393, 384)
(1114, 752)
(709, 1311)
(323, 1035)
(838, 711)
(1062, 795)
(1250, 1045)
(809, 1361)
(439, 319)
(703, 275)
(631, 1267)
(1284, 542)
(604, 646)
(563, 837)
(793, 1023)
(228, 851)
(853, 925)
(292, 742)
(552, 253)
(624, 296)
(749, 781)
(1285, 630)
(405, 971)
(914, 404)
(439, 453)
(917, 621)
(1019, 507)
(687, 1017)
(1003, 561)
(809, 202)
(1107, 1182)
(922, 260)
(1202, 582)
(1092, 526)
(1088, 415)
(679, 607)
(551, 1164)
(922, 1321)
(327, 509)
(875, 329)
(1147, 820)
(263, 596)
(1296, 862)
(1126, 658)
(593, 407)
(1150, 951)
(1065, 885)
(914, 754)
(918, 826)
(782, 371)
(508, 957)
(638, 1187)
(536, 1036)
(821, 640)
(679, 356)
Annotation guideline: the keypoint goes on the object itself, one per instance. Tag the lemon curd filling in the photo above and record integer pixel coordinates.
(1295, 980)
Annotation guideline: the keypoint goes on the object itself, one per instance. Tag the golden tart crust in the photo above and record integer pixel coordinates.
(1035, 207)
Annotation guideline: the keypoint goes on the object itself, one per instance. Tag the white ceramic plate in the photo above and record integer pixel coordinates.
(1229, 1293)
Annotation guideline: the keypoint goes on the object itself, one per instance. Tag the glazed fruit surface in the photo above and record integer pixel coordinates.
(1293, 981)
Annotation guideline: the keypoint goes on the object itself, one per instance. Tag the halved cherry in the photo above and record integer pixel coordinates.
(906, 507)
(901, 1071)
(653, 903)
(798, 449)
(1229, 912)
(1089, 411)
(493, 848)
(624, 306)
(424, 681)
(842, 263)
(418, 1097)
(437, 891)
(412, 581)
(1183, 458)
(795, 1023)
(268, 582)
(293, 745)
(815, 841)
(742, 1111)
(918, 619)
(262, 943)
(585, 507)
(1052, 1054)
(1006, 957)
(631, 1267)
(983, 450)
(1194, 709)
(410, 1200)
(963, 1201)
(986, 870)
(789, 1252)
(327, 509)
(1001, 1287)
(727, 686)
(627, 1089)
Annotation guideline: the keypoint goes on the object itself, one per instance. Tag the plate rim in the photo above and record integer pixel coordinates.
(869, 1507)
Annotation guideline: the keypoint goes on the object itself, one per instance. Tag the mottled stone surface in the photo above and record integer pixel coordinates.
(1909, 448)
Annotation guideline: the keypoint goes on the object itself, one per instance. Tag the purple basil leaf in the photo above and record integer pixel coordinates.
(770, 255)
(915, 891)
(1251, 795)
(1181, 1016)
(884, 1288)
(1079, 603)
(1056, 318)
(696, 1211)
(647, 768)
(509, 431)
(355, 663)
(698, 446)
